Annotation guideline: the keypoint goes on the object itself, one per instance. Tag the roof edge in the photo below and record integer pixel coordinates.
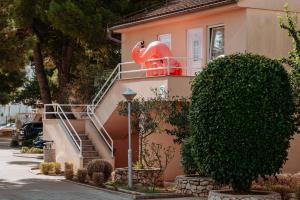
(170, 14)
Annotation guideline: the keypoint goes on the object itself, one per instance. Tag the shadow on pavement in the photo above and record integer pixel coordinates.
(23, 163)
(45, 189)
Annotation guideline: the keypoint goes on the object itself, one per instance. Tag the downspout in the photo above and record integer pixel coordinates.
(111, 38)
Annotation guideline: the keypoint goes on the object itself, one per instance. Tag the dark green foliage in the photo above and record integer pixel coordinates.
(178, 117)
(289, 24)
(27, 143)
(241, 118)
(29, 93)
(99, 166)
(98, 178)
(82, 175)
(10, 81)
(187, 159)
(14, 143)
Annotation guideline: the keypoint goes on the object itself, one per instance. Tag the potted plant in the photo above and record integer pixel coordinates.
(241, 120)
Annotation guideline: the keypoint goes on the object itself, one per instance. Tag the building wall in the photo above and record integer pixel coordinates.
(65, 149)
(294, 5)
(264, 35)
(232, 17)
(251, 26)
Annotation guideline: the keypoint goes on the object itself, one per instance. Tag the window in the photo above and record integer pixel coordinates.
(165, 38)
(196, 50)
(216, 42)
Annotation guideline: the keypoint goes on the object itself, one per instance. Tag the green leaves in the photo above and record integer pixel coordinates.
(241, 118)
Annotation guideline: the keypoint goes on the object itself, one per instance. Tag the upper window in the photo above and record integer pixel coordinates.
(165, 38)
(216, 42)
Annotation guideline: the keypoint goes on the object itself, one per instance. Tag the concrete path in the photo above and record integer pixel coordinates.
(18, 183)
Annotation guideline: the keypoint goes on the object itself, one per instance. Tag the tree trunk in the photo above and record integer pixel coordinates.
(41, 75)
(64, 71)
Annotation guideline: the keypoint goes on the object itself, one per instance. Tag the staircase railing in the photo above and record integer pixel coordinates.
(90, 109)
(100, 128)
(115, 75)
(59, 112)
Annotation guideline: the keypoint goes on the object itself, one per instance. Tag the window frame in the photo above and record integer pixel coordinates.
(209, 50)
(164, 35)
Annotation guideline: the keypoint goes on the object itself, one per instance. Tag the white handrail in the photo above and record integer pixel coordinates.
(90, 109)
(104, 136)
(57, 107)
(106, 82)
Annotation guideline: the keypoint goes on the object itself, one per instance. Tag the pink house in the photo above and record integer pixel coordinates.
(196, 31)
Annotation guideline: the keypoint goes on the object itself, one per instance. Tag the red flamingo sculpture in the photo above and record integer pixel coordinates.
(156, 55)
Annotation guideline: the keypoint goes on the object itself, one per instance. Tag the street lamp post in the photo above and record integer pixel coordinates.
(129, 95)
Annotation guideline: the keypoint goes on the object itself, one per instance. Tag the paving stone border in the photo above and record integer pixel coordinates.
(145, 177)
(220, 195)
(195, 185)
(292, 196)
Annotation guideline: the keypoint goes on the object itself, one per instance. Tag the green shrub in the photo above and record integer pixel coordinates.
(51, 167)
(34, 150)
(69, 174)
(81, 175)
(68, 166)
(57, 168)
(14, 143)
(99, 165)
(45, 168)
(31, 150)
(24, 149)
(241, 117)
(187, 159)
(27, 143)
(98, 178)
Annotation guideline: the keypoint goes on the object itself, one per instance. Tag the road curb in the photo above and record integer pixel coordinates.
(134, 195)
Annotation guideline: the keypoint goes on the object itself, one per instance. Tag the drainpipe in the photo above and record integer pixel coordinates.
(110, 37)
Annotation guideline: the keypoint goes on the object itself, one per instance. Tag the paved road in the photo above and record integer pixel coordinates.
(18, 183)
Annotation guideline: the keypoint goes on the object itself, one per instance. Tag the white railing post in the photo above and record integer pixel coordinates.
(119, 71)
(168, 65)
(44, 114)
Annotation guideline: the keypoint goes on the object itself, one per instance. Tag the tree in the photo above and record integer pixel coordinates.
(67, 33)
(242, 119)
(10, 81)
(11, 69)
(289, 23)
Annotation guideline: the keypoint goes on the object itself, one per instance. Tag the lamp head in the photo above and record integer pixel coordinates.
(129, 94)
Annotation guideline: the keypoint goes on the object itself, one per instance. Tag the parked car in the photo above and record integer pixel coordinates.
(8, 128)
(31, 130)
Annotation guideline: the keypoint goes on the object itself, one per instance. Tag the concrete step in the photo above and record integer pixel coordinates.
(88, 148)
(84, 137)
(85, 142)
(86, 160)
(90, 154)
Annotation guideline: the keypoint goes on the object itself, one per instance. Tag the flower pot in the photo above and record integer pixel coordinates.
(254, 195)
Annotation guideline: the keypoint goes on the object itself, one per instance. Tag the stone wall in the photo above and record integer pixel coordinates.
(219, 195)
(145, 177)
(292, 196)
(194, 185)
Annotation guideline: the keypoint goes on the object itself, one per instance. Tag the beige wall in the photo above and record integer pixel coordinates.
(264, 35)
(250, 26)
(99, 143)
(144, 88)
(293, 163)
(65, 149)
(232, 17)
(294, 5)
(174, 168)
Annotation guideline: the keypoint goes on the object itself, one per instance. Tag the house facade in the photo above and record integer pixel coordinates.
(196, 31)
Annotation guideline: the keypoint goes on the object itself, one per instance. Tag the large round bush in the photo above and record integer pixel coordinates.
(241, 118)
